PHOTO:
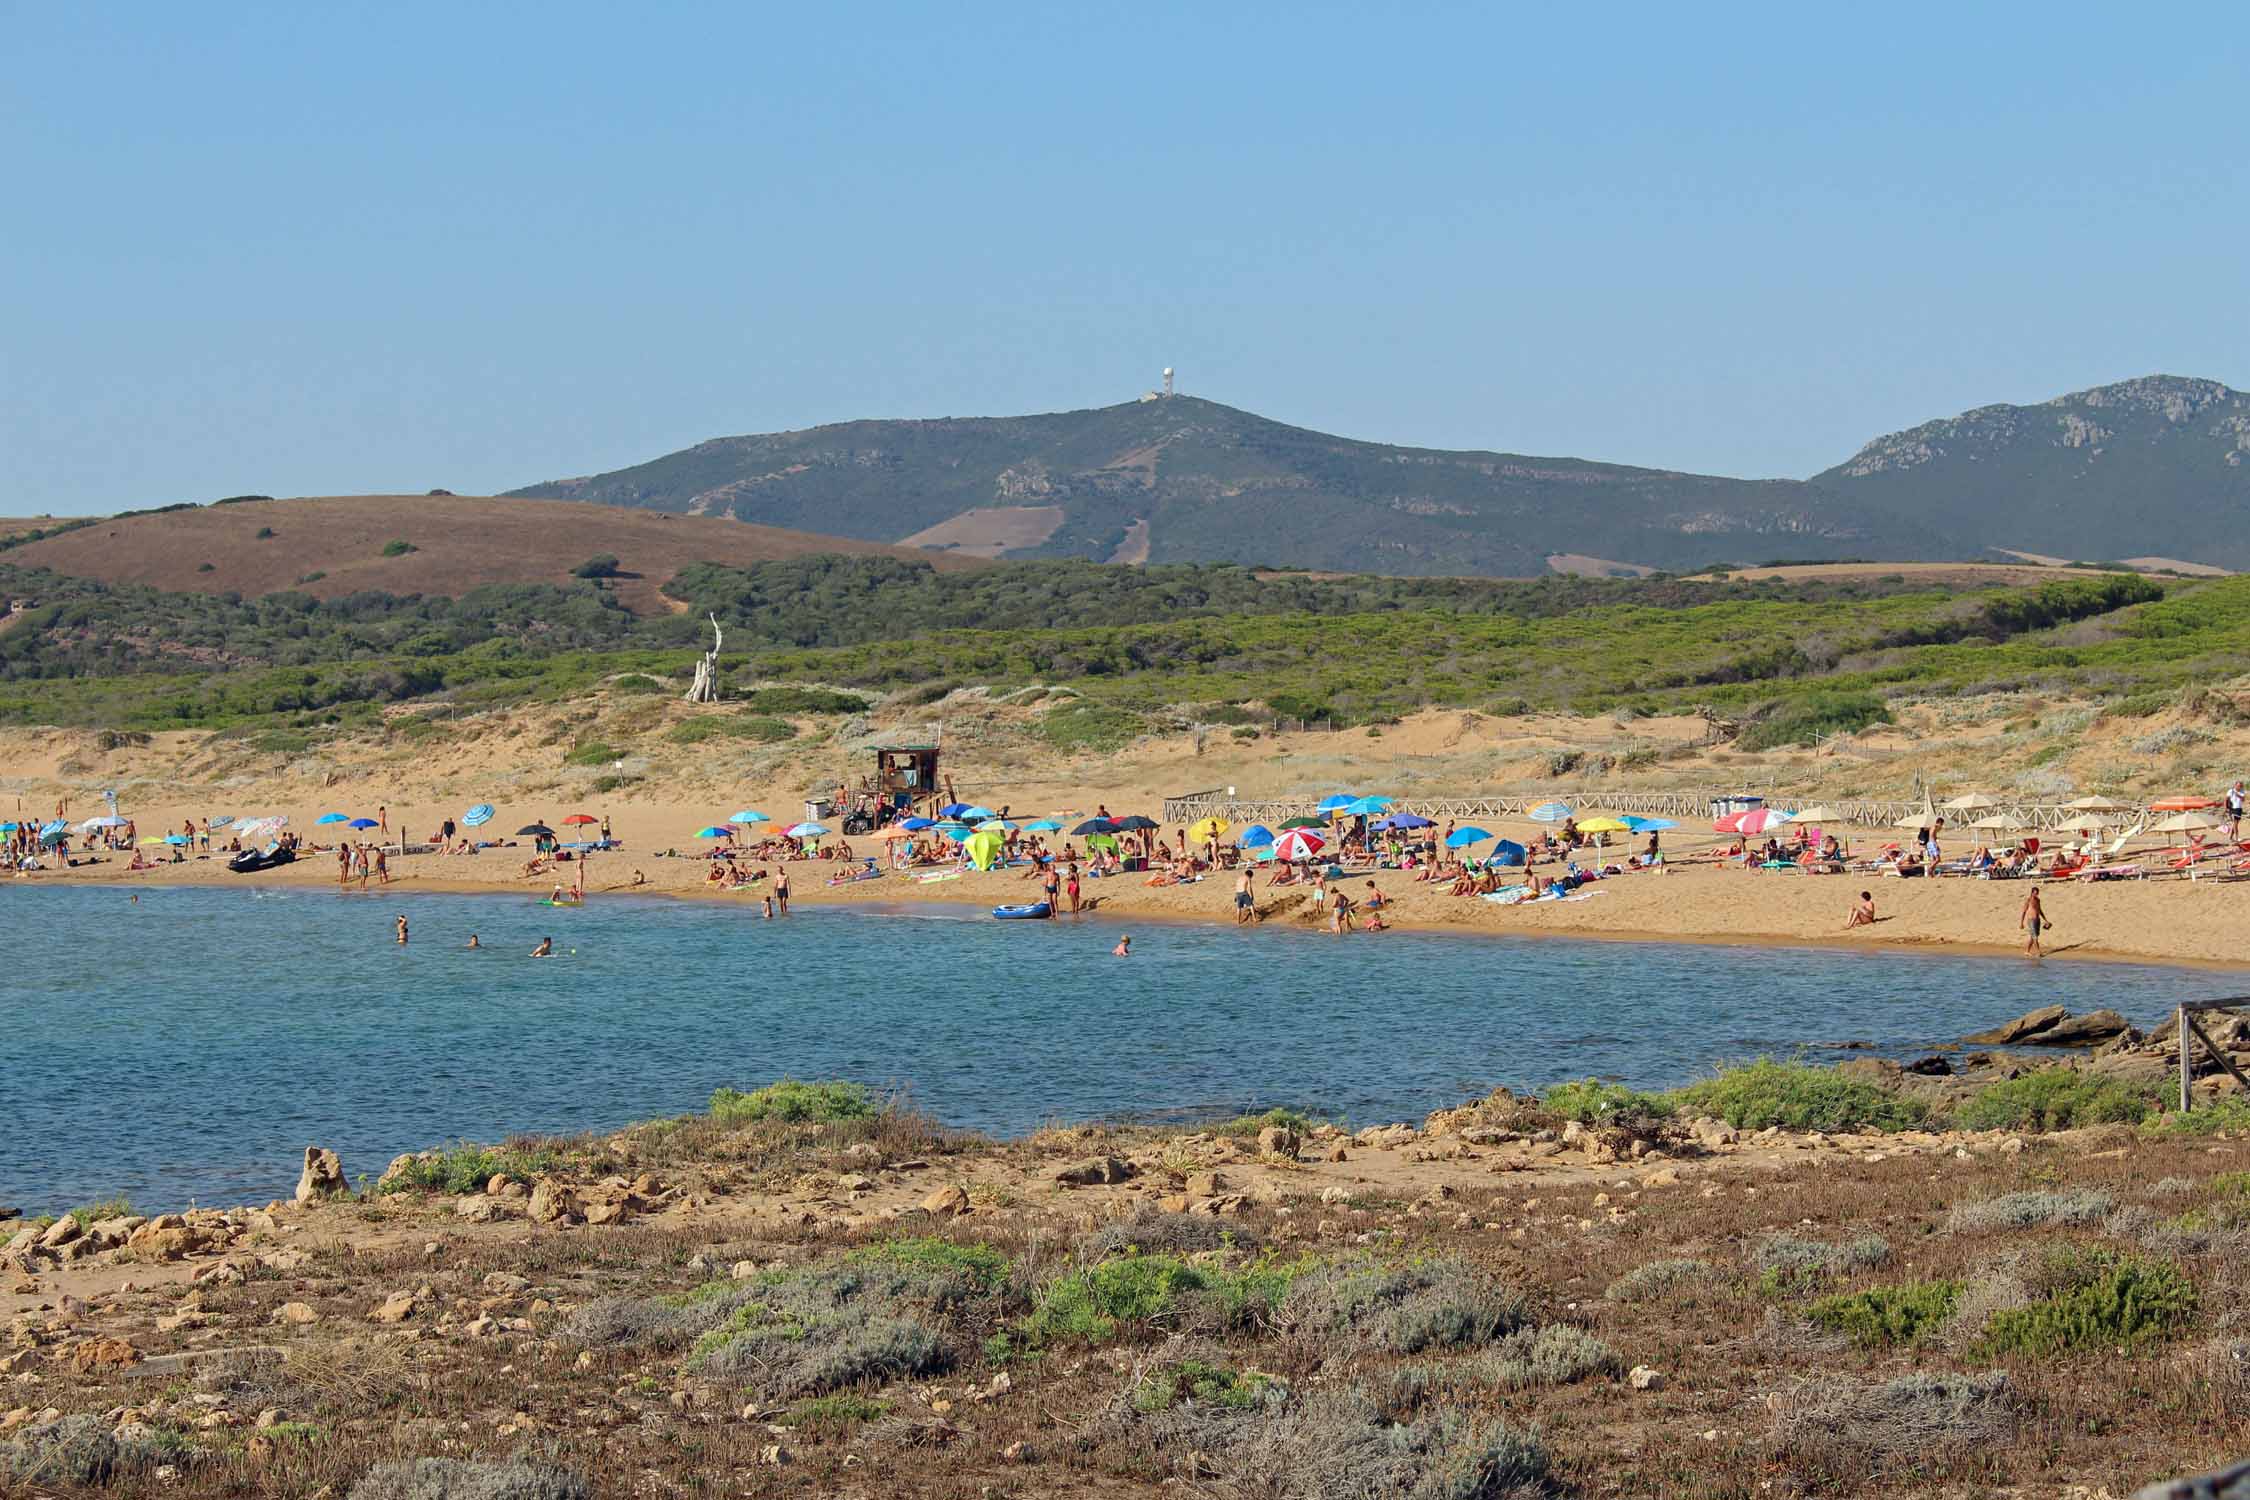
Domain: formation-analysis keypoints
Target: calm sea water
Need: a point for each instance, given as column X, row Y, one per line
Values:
column 189, row 1047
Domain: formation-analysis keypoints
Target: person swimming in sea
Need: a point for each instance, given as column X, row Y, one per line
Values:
column 402, row 929
column 1124, row 948
column 473, row 941
column 546, row 948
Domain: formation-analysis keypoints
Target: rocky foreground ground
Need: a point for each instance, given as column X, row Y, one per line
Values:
column 1500, row 1300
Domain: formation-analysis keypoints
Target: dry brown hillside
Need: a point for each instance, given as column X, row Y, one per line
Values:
column 460, row 542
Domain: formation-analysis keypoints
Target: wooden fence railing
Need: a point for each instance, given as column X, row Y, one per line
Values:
column 2191, row 1033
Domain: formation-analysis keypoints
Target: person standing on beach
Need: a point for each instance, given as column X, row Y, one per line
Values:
column 2033, row 917
column 1245, row 896
column 343, row 864
column 382, row 866
column 2234, row 813
column 781, row 889
column 1070, row 887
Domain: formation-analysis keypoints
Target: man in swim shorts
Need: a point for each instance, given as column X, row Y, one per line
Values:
column 1245, row 897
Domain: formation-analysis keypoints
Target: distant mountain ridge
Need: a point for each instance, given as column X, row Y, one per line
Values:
column 2150, row 466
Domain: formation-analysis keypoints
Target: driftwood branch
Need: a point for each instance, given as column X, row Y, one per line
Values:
column 705, row 688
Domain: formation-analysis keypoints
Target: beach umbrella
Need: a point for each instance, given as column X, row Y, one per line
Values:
column 957, row 832
column 477, row 816
column 714, row 832
column 997, row 825
column 1135, row 823
column 58, row 826
column 806, row 831
column 1336, row 803
column 1405, row 820
column 1095, row 825
column 953, row 809
column 1999, row 822
column 748, row 815
column 580, row 820
column 535, row 831
column 1922, row 819
column 224, row 820
column 1549, row 812
column 916, row 825
column 1972, row 802
column 1605, row 825
column 1042, row 825
column 1256, row 836
column 1647, row 825
column 1366, row 807
column 2189, row 803
column 326, row 818
column 53, row 836
column 895, row 831
column 112, row 820
column 975, row 814
column 1507, row 852
column 2097, row 804
column 1821, row 814
column 1298, row 843
column 1305, row 823
column 1462, row 838
column 175, row 838
column 982, row 848
column 1207, row 829
column 361, row 823
column 2196, row 821
column 9, row 827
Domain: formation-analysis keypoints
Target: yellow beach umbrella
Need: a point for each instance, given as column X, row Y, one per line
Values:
column 1207, row 830
column 1605, row 824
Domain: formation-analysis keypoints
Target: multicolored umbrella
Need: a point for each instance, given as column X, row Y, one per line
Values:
column 714, row 832
column 1550, row 812
column 1298, row 843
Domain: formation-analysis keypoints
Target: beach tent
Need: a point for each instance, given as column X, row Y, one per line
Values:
column 1256, row 836
column 1102, row 841
column 1549, row 812
column 1462, row 838
column 982, row 848
column 1507, row 852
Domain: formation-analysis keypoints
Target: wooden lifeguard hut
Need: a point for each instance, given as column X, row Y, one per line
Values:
column 905, row 774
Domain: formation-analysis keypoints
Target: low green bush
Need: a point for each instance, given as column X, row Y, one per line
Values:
column 794, row 1102
column 592, row 753
column 467, row 1168
column 1799, row 1097
column 790, row 699
column 399, row 549
column 2107, row 1301
column 1095, row 1304
column 636, row 682
column 1813, row 717
column 1592, row 1102
column 2229, row 1113
column 1193, row 1382
column 2054, row 1099
column 1887, row 1315
column 982, row 1267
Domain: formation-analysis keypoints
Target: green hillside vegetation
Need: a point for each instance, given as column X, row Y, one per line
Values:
column 1798, row 663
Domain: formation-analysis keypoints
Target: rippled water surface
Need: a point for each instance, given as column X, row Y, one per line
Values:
column 191, row 1046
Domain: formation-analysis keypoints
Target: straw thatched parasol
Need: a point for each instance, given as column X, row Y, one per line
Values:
column 1971, row 802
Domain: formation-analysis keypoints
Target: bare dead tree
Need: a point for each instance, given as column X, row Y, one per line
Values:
column 705, row 688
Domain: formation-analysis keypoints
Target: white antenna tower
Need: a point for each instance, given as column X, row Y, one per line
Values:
column 1167, row 380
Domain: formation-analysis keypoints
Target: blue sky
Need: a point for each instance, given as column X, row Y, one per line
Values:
column 318, row 249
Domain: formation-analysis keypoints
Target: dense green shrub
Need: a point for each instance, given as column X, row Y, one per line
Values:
column 1812, row 717
column 399, row 548
column 2054, row 1099
column 2108, row 1301
column 1886, row 1315
column 794, row 1102
column 1592, row 1102
column 601, row 565
column 1799, row 1097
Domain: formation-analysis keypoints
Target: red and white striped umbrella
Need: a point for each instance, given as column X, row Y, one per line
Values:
column 1298, row 843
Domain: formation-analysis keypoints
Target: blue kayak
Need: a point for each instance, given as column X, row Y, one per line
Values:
column 1018, row 913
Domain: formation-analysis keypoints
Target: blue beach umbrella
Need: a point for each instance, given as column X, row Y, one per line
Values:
column 715, row 832
column 1095, row 825
column 1335, row 803
column 477, row 816
column 1404, row 820
column 326, row 818
column 1042, row 825
column 958, row 832
column 1647, row 825
column 9, row 827
column 1549, row 812
column 953, row 809
column 1366, row 807
column 916, row 825
column 806, row 831
column 975, row 814
column 175, row 838
column 361, row 823
column 748, row 815
column 1256, row 836
column 58, row 826
column 1462, row 838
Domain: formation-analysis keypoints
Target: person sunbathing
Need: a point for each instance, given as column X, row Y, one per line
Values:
column 1863, row 914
